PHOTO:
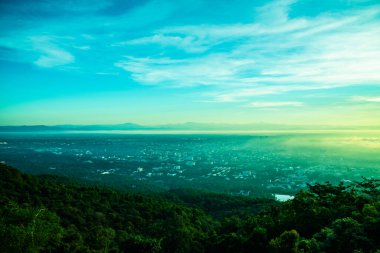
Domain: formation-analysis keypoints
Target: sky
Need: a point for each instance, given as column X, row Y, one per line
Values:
column 172, row 61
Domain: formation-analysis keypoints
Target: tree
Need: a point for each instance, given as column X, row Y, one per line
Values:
column 101, row 238
column 29, row 229
column 287, row 242
column 345, row 235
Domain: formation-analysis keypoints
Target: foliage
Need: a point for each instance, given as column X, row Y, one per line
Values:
column 43, row 214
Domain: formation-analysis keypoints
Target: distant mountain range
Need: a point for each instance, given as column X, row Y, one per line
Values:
column 189, row 126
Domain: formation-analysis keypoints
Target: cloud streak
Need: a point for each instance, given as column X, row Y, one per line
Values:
column 261, row 58
column 275, row 104
column 211, row 70
column 366, row 99
column 51, row 55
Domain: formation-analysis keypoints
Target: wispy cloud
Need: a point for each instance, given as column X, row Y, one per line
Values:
column 107, row 73
column 212, row 70
column 243, row 94
column 275, row 104
column 366, row 99
column 82, row 47
column 261, row 58
column 51, row 55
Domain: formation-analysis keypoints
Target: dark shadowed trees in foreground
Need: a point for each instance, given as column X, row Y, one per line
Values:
column 46, row 214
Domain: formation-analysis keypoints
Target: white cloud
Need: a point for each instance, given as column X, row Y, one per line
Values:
column 189, row 43
column 366, row 99
column 85, row 48
column 210, row 70
column 275, row 104
column 242, row 94
column 54, row 57
column 275, row 12
column 51, row 54
column 107, row 73
column 261, row 58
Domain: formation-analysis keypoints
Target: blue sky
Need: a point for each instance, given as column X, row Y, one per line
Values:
column 173, row 61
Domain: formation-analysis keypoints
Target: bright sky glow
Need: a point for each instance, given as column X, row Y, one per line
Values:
column 173, row 61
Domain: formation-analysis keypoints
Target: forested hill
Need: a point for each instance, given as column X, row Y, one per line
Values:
column 42, row 214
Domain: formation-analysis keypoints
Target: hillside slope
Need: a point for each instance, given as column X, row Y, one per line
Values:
column 41, row 214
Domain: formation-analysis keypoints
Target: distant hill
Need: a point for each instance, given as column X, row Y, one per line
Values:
column 35, row 128
column 188, row 126
column 41, row 128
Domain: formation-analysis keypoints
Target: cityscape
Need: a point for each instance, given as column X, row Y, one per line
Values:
column 248, row 165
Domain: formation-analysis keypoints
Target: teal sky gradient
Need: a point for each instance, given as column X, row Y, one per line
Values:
column 173, row 61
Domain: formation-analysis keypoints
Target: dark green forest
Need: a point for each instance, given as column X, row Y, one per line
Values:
column 53, row 214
